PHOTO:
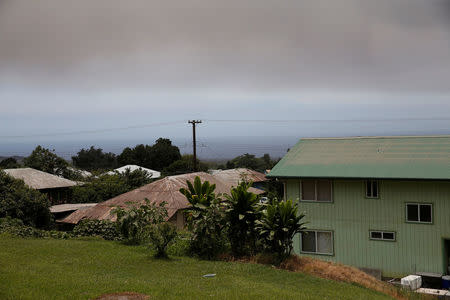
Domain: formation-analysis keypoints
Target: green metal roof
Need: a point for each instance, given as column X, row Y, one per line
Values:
column 406, row 157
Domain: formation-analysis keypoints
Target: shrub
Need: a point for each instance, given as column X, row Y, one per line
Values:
column 105, row 229
column 180, row 245
column 199, row 193
column 242, row 211
column 99, row 189
column 17, row 228
column 19, row 201
column 133, row 222
column 160, row 236
column 136, row 178
column 205, row 219
column 208, row 228
column 280, row 221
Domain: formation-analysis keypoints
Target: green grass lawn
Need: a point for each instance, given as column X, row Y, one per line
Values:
column 84, row 269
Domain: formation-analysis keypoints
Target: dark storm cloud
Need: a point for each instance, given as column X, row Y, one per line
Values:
column 401, row 46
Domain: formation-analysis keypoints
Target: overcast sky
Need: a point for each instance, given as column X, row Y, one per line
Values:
column 69, row 66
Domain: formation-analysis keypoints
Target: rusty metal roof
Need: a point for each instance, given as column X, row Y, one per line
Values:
column 70, row 207
column 166, row 189
column 39, row 180
column 404, row 157
column 235, row 176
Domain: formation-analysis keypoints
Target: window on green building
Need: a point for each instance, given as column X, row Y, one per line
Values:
column 317, row 190
column 419, row 212
column 372, row 189
column 382, row 235
column 317, row 242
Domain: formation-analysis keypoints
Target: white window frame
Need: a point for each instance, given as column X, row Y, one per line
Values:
column 315, row 236
column 315, row 191
column 382, row 235
column 371, row 181
column 418, row 215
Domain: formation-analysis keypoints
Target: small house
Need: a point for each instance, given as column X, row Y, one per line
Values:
column 56, row 188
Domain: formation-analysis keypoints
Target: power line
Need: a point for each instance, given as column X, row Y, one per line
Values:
column 329, row 120
column 93, row 131
column 103, row 130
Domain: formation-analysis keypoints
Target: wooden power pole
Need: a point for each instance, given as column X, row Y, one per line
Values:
column 194, row 144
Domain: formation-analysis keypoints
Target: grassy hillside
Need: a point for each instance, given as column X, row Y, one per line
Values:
column 83, row 269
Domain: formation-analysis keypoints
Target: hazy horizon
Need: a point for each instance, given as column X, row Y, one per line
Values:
column 107, row 71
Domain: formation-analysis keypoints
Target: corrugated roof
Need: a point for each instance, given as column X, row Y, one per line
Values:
column 405, row 157
column 39, row 180
column 70, row 207
column 235, row 176
column 166, row 189
column 153, row 173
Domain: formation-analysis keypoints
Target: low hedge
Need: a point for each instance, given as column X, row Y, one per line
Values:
column 17, row 228
column 105, row 229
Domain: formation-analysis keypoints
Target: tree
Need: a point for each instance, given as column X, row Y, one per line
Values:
column 160, row 236
column 45, row 160
column 279, row 223
column 136, row 178
column 250, row 161
column 184, row 165
column 242, row 211
column 206, row 219
column 164, row 153
column 156, row 157
column 19, row 201
column 9, row 163
column 99, row 189
column 199, row 193
column 94, row 159
column 134, row 221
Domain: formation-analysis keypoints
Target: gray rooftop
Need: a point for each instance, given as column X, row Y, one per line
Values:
column 39, row 180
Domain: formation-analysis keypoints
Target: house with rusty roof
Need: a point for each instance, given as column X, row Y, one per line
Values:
column 235, row 176
column 166, row 189
column 56, row 188
column 381, row 203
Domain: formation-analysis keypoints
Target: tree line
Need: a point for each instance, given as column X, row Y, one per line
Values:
column 162, row 156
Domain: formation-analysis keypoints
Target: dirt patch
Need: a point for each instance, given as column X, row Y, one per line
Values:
column 339, row 272
column 123, row 296
column 327, row 270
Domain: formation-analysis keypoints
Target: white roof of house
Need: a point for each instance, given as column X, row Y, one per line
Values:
column 155, row 174
column 39, row 180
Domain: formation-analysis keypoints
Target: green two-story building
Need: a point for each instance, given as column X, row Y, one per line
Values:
column 381, row 203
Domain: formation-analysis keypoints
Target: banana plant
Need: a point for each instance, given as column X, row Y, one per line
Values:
column 242, row 211
column 279, row 223
column 199, row 193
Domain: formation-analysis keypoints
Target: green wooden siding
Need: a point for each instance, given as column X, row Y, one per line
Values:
column 418, row 247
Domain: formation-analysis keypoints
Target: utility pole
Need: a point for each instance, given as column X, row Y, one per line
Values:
column 194, row 144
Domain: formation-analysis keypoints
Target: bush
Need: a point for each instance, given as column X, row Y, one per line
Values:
column 160, row 236
column 205, row 219
column 180, row 245
column 280, row 221
column 17, row 228
column 133, row 222
column 208, row 227
column 17, row 200
column 105, row 187
column 99, row 189
column 242, row 211
column 105, row 229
